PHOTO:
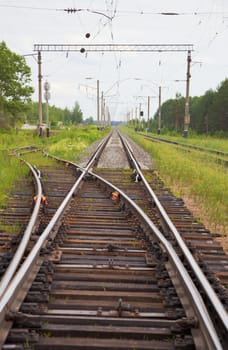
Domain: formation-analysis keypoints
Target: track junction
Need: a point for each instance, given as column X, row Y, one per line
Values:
column 97, row 272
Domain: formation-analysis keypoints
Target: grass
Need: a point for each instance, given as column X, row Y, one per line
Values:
column 71, row 144
column 11, row 169
column 66, row 144
column 210, row 142
column 192, row 174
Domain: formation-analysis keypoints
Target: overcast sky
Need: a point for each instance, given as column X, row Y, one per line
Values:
column 126, row 78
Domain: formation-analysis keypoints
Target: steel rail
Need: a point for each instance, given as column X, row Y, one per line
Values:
column 198, row 148
column 92, row 159
column 221, row 311
column 10, row 271
column 20, row 277
column 211, row 339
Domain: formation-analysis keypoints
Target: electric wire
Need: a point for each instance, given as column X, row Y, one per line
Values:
column 137, row 12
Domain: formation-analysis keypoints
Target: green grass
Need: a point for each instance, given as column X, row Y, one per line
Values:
column 199, row 140
column 66, row 144
column 194, row 175
column 70, row 144
column 11, row 169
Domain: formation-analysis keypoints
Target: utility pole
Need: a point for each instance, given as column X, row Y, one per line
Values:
column 98, row 104
column 140, row 116
column 40, row 117
column 148, row 113
column 102, row 110
column 187, row 115
column 136, row 118
column 159, row 112
column 47, row 97
column 109, row 117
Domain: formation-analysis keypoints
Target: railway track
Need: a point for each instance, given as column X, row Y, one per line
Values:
column 218, row 157
column 102, row 274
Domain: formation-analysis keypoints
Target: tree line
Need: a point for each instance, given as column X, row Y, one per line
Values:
column 209, row 113
column 56, row 116
column 16, row 106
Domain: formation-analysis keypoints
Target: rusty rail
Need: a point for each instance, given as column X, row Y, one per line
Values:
column 4, row 283
column 221, row 312
column 13, row 285
column 209, row 336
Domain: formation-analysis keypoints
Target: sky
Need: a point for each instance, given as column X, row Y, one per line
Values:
column 125, row 78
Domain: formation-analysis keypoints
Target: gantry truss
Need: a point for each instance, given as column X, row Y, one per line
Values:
column 116, row 48
column 113, row 47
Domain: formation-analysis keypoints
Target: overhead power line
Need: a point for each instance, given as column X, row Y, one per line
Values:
column 30, row 8
column 73, row 10
column 139, row 12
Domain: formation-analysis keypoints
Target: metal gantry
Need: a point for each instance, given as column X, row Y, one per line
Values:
column 114, row 47
column 83, row 48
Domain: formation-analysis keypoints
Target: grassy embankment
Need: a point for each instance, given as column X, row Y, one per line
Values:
column 193, row 176
column 66, row 144
column 209, row 142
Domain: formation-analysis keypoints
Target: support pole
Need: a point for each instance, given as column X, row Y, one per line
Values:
column 187, row 114
column 98, row 104
column 102, row 110
column 140, row 112
column 109, row 117
column 148, row 113
column 136, row 119
column 40, row 120
column 159, row 112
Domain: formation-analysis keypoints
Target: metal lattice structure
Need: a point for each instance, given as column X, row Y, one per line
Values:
column 113, row 47
column 117, row 48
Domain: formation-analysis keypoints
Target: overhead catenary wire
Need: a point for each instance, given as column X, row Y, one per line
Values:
column 137, row 12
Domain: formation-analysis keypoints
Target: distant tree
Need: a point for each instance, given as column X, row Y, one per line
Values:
column 15, row 91
column 89, row 120
column 66, row 116
column 218, row 114
column 56, row 114
column 172, row 113
column 76, row 114
column 208, row 113
column 200, row 110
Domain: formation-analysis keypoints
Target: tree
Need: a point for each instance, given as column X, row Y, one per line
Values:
column 200, row 110
column 76, row 115
column 66, row 116
column 15, row 90
column 89, row 120
column 209, row 113
column 218, row 115
column 172, row 112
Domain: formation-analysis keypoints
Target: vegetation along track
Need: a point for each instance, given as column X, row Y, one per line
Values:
column 104, row 281
column 218, row 157
column 16, row 213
